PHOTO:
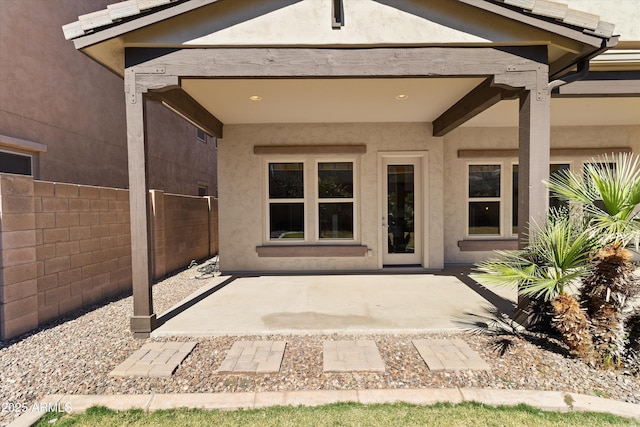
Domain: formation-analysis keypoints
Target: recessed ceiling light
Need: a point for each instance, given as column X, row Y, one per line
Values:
column 255, row 98
column 401, row 97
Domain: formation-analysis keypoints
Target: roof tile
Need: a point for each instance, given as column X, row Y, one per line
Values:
column 550, row 8
column 585, row 20
column 123, row 9
column 72, row 30
column 148, row 4
column 95, row 19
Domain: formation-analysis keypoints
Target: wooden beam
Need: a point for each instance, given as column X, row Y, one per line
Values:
column 603, row 84
column 343, row 63
column 475, row 102
column 143, row 320
column 181, row 103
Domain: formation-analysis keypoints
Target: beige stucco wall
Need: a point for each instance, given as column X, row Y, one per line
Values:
column 52, row 94
column 455, row 169
column 308, row 22
column 242, row 183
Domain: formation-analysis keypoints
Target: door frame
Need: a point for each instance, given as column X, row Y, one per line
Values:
column 421, row 223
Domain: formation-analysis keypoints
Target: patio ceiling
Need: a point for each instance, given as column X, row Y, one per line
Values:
column 328, row 100
column 376, row 100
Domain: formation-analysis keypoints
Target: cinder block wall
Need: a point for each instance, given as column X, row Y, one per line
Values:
column 67, row 246
column 182, row 227
column 83, row 246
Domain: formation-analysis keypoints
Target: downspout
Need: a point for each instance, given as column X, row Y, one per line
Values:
column 583, row 65
column 583, row 70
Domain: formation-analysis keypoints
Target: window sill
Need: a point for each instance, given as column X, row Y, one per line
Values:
column 487, row 245
column 311, row 251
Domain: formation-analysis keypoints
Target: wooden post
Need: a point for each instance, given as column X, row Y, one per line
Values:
column 534, row 158
column 143, row 320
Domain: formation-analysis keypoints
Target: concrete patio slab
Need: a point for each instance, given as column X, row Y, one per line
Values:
column 351, row 356
column 342, row 304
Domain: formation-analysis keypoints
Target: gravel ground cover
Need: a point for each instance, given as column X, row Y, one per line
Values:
column 76, row 356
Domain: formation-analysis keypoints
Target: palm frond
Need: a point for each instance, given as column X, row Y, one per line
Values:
column 570, row 186
column 558, row 254
column 608, row 194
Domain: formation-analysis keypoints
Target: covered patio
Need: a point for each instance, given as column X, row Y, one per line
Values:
column 448, row 301
column 463, row 58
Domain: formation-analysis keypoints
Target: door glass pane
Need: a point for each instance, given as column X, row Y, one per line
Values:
column 336, row 220
column 335, row 180
column 400, row 191
column 286, row 220
column 286, row 181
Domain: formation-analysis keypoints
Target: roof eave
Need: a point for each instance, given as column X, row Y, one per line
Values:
column 120, row 28
column 559, row 28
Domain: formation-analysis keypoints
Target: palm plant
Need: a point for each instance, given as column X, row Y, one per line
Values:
column 607, row 196
column 550, row 268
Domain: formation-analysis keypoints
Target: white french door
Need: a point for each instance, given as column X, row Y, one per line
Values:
column 402, row 216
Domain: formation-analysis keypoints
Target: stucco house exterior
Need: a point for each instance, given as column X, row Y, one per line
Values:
column 62, row 116
column 373, row 134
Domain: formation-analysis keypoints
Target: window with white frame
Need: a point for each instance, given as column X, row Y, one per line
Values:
column 311, row 200
column 16, row 163
column 286, row 201
column 484, row 200
column 335, row 200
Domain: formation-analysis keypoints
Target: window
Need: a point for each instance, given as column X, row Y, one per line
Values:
column 286, row 200
column 311, row 200
column 201, row 135
column 203, row 190
column 20, row 164
column 554, row 201
column 335, row 200
column 484, row 200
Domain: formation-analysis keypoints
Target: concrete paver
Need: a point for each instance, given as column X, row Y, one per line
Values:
column 351, row 355
column 154, row 359
column 449, row 354
column 256, row 357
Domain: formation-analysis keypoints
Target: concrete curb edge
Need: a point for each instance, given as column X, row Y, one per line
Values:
column 546, row 400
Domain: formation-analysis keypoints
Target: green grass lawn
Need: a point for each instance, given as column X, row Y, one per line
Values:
column 342, row 414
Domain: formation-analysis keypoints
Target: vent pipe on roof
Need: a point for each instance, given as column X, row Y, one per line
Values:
column 583, row 70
